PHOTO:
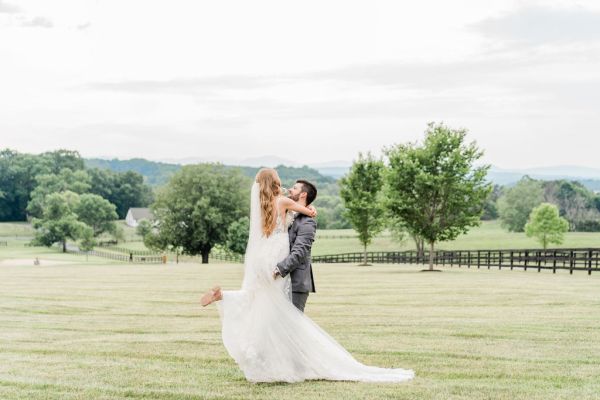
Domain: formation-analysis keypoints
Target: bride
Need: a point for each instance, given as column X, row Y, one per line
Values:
column 267, row 336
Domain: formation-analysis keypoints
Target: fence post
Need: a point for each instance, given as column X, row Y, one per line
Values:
column 488, row 259
column 499, row 259
column 571, row 262
column 478, row 259
column 526, row 259
column 554, row 262
column 589, row 262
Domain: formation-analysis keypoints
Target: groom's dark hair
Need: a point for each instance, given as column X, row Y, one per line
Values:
column 309, row 189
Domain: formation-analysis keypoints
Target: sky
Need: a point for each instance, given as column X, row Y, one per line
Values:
column 311, row 82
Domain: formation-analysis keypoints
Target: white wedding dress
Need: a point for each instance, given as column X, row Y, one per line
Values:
column 268, row 337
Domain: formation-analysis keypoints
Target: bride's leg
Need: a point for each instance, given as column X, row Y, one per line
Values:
column 211, row 296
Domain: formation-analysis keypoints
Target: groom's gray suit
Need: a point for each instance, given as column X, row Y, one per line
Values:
column 298, row 263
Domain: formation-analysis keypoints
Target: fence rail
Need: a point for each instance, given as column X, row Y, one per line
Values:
column 581, row 259
column 145, row 256
column 154, row 259
column 127, row 251
column 226, row 257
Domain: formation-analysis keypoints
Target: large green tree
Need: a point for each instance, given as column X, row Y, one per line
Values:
column 96, row 212
column 67, row 180
column 17, row 181
column 237, row 235
column 517, row 203
column 58, row 160
column 59, row 222
column 194, row 211
column 546, row 225
column 361, row 191
column 435, row 188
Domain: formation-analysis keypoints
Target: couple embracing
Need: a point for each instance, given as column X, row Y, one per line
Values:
column 264, row 328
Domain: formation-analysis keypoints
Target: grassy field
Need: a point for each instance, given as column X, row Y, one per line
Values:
column 101, row 331
column 490, row 235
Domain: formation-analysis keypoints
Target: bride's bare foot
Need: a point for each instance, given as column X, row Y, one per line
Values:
column 211, row 296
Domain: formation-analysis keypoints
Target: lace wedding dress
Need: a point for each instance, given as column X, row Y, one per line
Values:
column 268, row 337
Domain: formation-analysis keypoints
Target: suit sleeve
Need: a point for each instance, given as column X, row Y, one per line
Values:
column 300, row 249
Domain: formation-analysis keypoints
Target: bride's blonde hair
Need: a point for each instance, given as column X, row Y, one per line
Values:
column 269, row 188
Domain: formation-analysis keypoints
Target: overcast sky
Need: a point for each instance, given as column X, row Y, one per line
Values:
column 310, row 81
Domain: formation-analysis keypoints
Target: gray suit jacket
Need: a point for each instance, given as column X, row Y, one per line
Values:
column 298, row 262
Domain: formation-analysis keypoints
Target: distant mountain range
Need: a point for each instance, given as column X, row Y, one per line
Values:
column 590, row 177
column 157, row 173
column 156, row 170
column 335, row 169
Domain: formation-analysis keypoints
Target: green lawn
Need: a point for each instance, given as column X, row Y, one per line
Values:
column 100, row 331
column 16, row 229
column 490, row 235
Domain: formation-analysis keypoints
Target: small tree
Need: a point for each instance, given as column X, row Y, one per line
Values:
column 59, row 222
column 435, row 189
column 144, row 227
column 546, row 225
column 361, row 191
column 118, row 234
column 88, row 241
column 194, row 211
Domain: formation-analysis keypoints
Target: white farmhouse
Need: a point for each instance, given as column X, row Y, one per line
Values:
column 135, row 215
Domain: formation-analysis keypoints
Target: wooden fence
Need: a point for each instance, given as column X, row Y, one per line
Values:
column 582, row 259
column 226, row 257
column 127, row 251
column 147, row 256
column 153, row 259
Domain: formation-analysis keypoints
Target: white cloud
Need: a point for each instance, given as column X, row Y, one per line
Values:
column 7, row 8
column 37, row 22
column 543, row 25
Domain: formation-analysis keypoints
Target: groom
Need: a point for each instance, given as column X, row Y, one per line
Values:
column 302, row 234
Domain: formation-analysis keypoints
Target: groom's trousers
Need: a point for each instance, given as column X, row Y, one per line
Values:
column 299, row 300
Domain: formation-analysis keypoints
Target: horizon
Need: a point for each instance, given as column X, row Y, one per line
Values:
column 318, row 165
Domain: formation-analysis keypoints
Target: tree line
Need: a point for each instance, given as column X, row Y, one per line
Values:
column 65, row 200
column 579, row 206
column 329, row 203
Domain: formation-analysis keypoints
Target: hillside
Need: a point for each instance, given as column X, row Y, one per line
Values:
column 154, row 173
column 158, row 173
